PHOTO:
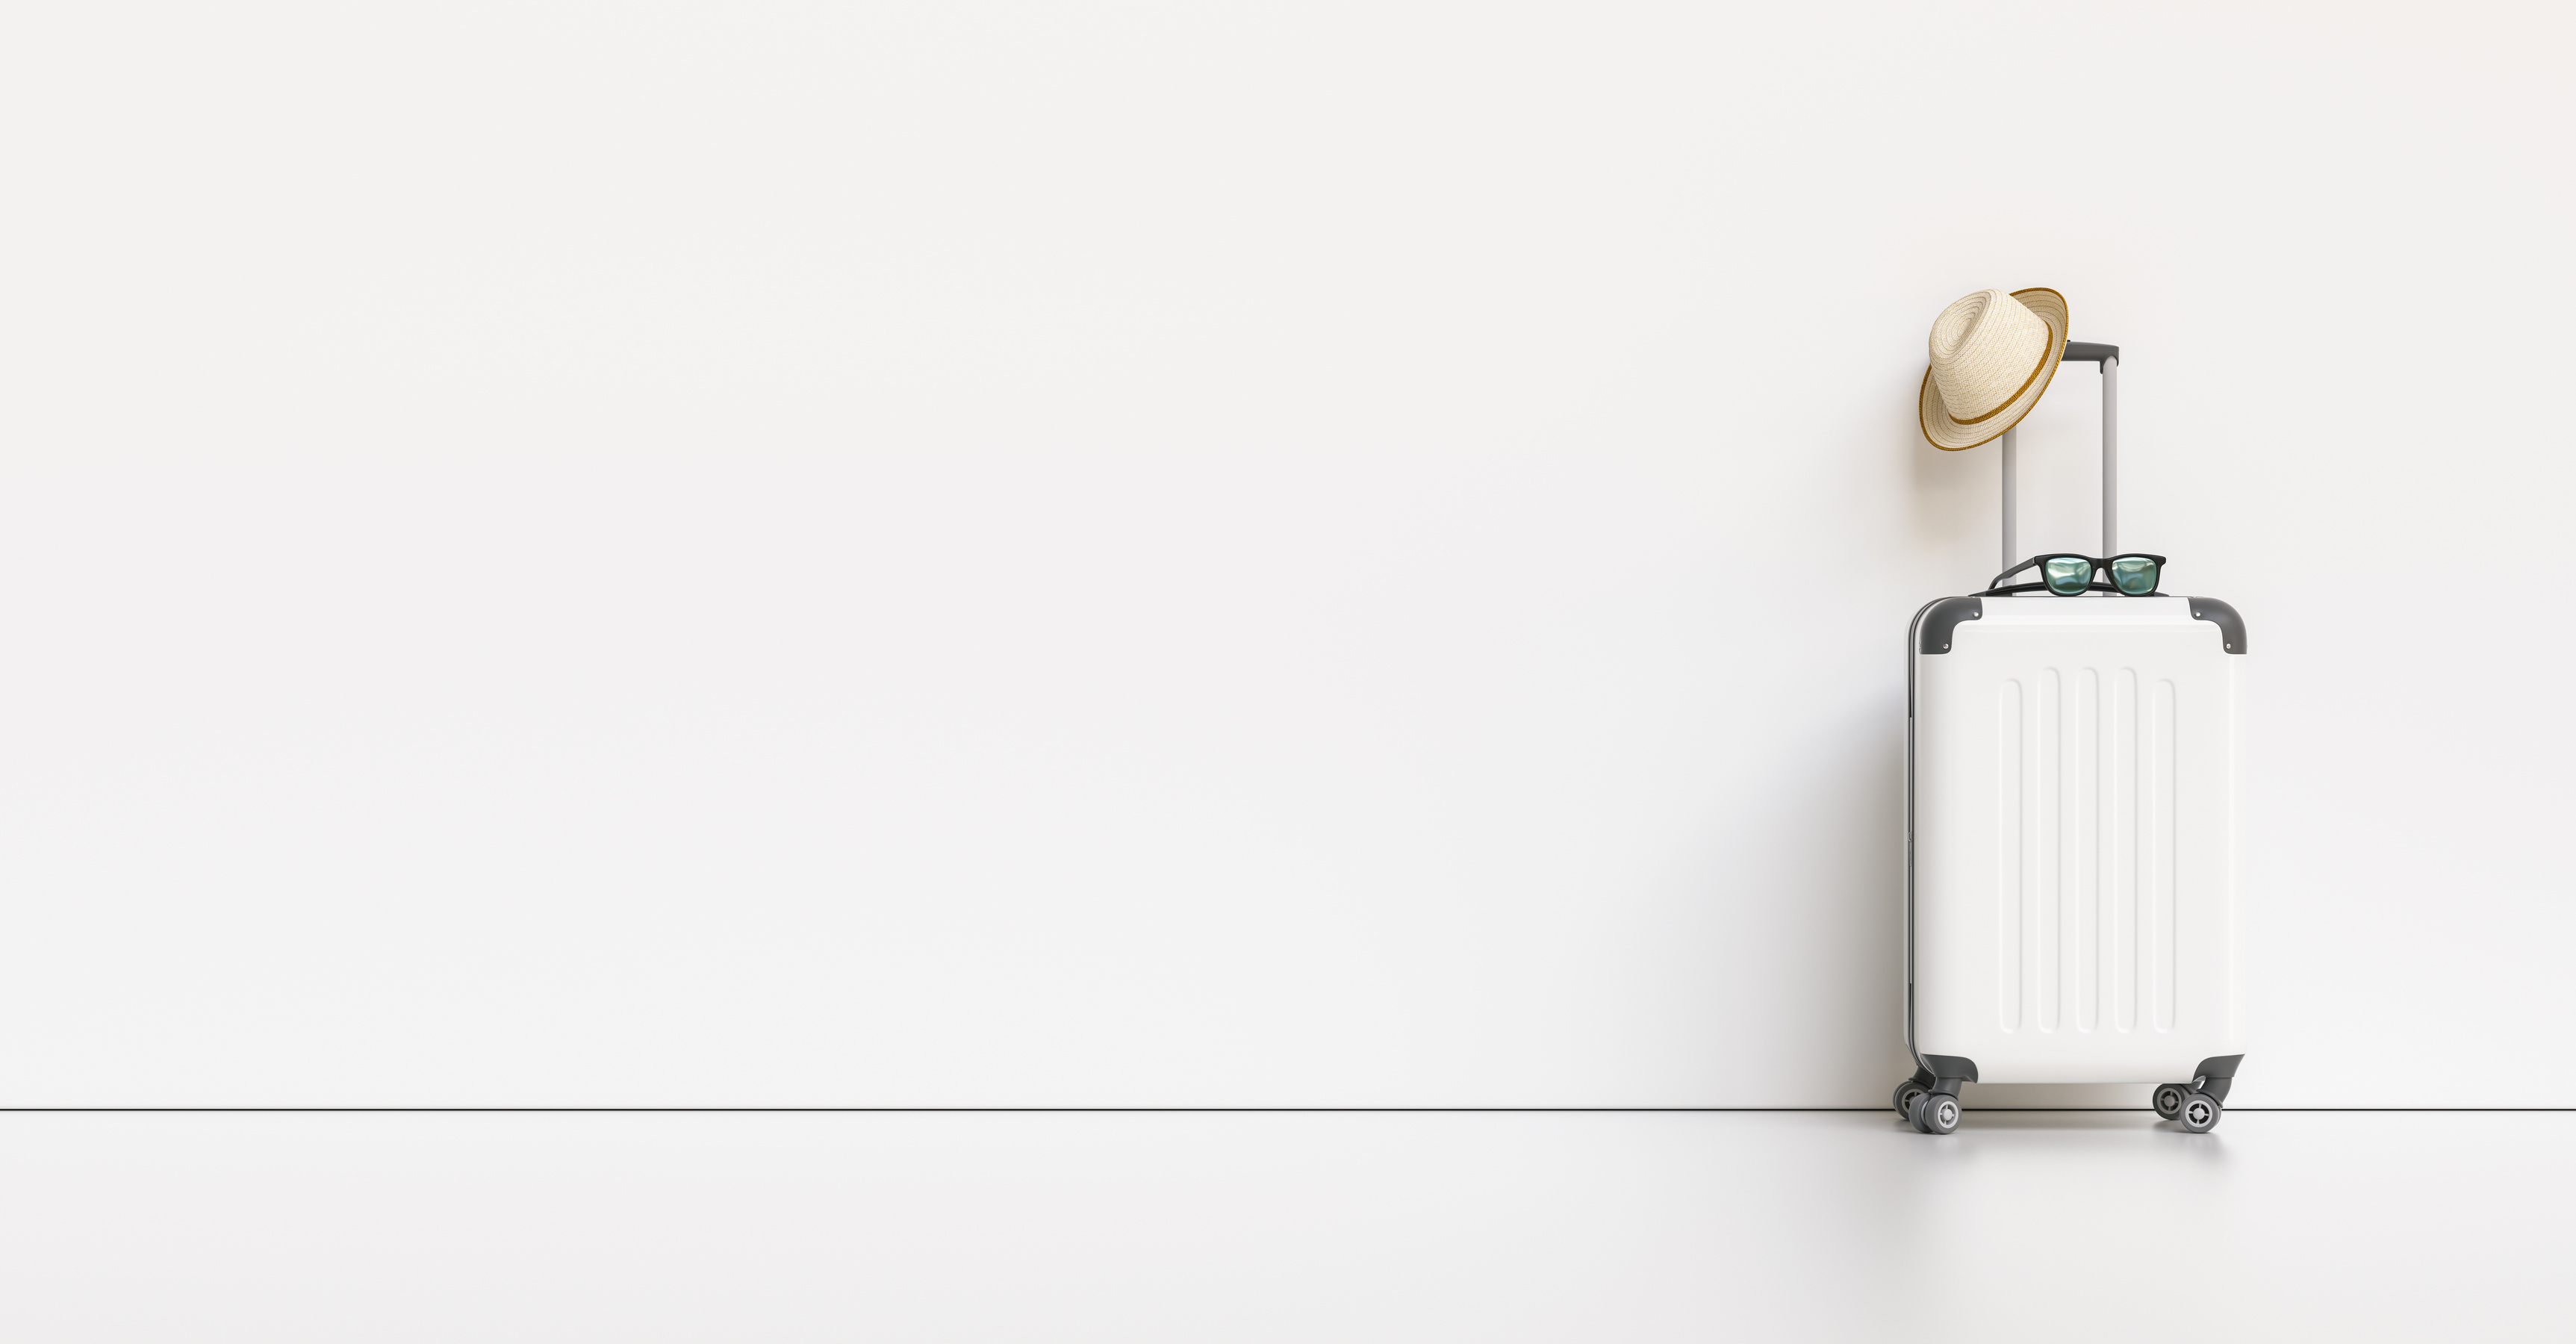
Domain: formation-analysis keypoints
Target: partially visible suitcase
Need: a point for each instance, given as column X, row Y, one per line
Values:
column 2074, row 906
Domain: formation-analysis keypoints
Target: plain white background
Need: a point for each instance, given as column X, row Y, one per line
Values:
column 1225, row 555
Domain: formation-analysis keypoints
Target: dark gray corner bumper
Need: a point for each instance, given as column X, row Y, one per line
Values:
column 2217, row 1074
column 1935, row 623
column 2231, row 627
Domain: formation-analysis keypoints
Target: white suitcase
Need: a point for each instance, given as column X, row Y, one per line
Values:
column 2074, row 906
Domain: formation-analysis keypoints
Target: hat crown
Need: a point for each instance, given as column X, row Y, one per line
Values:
column 1986, row 348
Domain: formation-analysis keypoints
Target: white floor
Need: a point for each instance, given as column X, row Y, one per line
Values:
column 1778, row 1226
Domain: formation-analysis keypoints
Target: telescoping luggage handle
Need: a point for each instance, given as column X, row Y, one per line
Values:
column 2080, row 352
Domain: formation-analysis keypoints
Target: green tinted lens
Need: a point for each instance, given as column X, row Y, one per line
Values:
column 2134, row 574
column 2066, row 574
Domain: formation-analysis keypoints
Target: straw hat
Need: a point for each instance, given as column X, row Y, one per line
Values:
column 1993, row 354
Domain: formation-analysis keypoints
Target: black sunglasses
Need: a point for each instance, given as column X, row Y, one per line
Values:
column 2070, row 574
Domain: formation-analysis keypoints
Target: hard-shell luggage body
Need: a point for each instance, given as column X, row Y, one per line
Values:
column 2074, row 902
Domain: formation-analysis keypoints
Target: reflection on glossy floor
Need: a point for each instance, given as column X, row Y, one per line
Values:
column 2032, row 1225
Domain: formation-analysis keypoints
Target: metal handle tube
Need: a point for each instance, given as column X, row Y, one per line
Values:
column 2010, row 474
column 2111, row 455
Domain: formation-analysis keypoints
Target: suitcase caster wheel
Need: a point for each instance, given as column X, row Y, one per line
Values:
column 1935, row 1113
column 1906, row 1092
column 2169, row 1100
column 2199, row 1114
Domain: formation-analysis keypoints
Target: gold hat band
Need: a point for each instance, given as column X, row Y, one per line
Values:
column 2046, row 350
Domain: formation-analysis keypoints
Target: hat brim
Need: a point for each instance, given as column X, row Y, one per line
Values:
column 1949, row 435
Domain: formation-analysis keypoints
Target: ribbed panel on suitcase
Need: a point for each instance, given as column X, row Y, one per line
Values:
column 2084, row 840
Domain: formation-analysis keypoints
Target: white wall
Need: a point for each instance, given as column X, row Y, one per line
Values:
column 1303, row 554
